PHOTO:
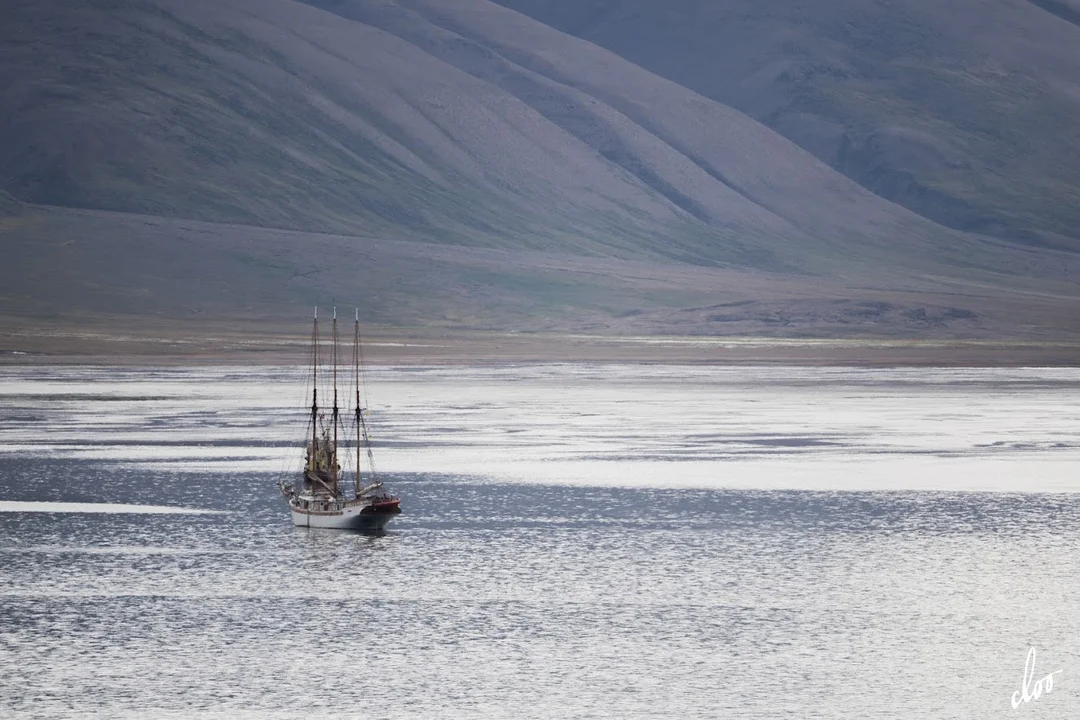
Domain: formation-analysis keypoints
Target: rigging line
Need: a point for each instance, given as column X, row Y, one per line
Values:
column 336, row 418
column 287, row 461
column 361, row 377
column 290, row 464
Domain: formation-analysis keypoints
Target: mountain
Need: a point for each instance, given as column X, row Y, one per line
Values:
column 80, row 269
column 453, row 164
column 963, row 112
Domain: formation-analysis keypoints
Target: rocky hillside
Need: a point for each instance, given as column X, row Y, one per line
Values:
column 963, row 112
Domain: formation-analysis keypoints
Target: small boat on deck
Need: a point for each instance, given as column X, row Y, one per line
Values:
column 326, row 496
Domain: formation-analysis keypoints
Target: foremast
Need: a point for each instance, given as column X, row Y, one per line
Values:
column 322, row 472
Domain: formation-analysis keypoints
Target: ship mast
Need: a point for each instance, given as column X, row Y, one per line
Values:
column 314, row 391
column 356, row 380
column 361, row 424
column 333, row 461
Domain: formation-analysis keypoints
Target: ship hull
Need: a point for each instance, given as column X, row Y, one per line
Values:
column 349, row 518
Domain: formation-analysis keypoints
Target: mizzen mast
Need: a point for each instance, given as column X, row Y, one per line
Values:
column 361, row 424
column 356, row 380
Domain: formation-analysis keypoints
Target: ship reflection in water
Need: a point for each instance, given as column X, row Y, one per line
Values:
column 579, row 541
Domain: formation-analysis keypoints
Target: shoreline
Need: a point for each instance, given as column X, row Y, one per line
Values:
column 102, row 347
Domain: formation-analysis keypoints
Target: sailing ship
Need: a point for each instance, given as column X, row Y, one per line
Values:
column 324, row 496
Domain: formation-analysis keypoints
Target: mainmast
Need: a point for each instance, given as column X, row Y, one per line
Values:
column 314, row 391
column 333, row 461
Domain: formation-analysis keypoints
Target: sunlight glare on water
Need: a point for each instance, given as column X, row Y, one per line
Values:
column 576, row 541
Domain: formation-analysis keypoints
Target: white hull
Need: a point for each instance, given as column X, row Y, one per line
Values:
column 318, row 500
column 347, row 518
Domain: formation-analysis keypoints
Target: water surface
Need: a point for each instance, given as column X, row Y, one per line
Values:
column 578, row 541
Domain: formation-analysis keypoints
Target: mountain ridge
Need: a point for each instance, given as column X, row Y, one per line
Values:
column 960, row 112
column 355, row 127
column 253, row 143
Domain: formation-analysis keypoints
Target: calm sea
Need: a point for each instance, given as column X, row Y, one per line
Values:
column 577, row 541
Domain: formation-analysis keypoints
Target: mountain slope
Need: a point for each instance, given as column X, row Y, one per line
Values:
column 406, row 152
column 963, row 111
column 9, row 206
column 81, row 268
column 461, row 123
column 273, row 113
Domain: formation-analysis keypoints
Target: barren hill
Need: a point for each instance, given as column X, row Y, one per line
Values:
column 962, row 111
column 449, row 163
